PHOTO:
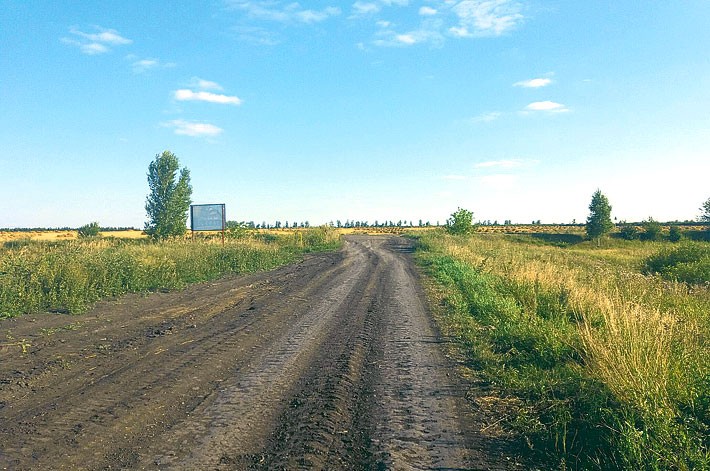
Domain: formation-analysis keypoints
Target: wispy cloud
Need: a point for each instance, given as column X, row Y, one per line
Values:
column 462, row 19
column 193, row 128
column 533, row 83
column 430, row 23
column 203, row 84
column 425, row 34
column 257, row 35
column 364, row 9
column 486, row 17
column 98, row 42
column 185, row 94
column 144, row 65
column 486, row 117
column 549, row 106
column 283, row 12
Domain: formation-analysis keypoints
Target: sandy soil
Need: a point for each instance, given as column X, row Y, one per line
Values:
column 331, row 363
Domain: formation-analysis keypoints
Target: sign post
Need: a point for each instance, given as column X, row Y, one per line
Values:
column 208, row 217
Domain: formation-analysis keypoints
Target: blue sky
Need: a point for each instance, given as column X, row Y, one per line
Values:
column 365, row 110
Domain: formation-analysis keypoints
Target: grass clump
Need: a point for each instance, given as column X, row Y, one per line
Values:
column 609, row 367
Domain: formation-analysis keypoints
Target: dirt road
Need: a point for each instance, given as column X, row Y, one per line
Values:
column 331, row 363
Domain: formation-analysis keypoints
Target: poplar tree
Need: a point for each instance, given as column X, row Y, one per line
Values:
column 599, row 220
column 169, row 200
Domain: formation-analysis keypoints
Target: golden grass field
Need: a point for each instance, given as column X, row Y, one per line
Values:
column 64, row 235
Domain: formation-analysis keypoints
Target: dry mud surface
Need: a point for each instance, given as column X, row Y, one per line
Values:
column 331, row 363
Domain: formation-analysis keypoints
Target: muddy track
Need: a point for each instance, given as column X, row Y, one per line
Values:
column 331, row 363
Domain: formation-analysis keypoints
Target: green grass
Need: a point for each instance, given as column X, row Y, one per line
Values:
column 608, row 367
column 689, row 262
column 69, row 276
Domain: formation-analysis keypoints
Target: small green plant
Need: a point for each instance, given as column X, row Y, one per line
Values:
column 89, row 230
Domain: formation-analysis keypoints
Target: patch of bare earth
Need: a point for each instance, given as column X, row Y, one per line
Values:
column 331, row 363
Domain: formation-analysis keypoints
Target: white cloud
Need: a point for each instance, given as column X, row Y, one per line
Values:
column 95, row 43
column 93, row 48
column 144, row 64
column 486, row 17
column 188, row 95
column 193, row 128
column 389, row 38
column 202, row 84
column 106, row 36
column 533, row 83
column 365, row 8
column 547, row 106
column 427, row 11
column 279, row 12
column 406, row 39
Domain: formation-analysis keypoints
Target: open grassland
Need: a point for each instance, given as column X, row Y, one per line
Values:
column 606, row 367
column 69, row 275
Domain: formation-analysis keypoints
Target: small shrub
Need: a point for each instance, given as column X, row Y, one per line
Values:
column 674, row 235
column 651, row 230
column 89, row 230
column 460, row 222
column 688, row 262
column 629, row 232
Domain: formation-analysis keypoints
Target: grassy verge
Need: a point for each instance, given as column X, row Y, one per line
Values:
column 608, row 367
column 68, row 276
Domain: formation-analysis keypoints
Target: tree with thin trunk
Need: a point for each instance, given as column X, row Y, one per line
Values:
column 599, row 220
column 169, row 199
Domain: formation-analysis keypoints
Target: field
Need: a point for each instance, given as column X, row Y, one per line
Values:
column 327, row 363
column 548, row 351
column 601, row 366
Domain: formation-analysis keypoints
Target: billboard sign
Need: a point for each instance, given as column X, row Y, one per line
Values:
column 207, row 217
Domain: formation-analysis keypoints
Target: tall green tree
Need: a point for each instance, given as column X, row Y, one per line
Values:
column 169, row 200
column 599, row 219
column 705, row 211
